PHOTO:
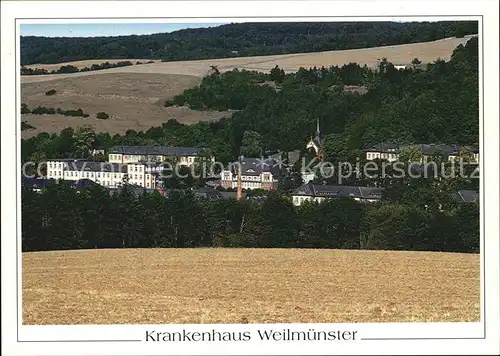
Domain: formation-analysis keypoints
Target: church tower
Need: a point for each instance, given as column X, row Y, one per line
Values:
column 317, row 143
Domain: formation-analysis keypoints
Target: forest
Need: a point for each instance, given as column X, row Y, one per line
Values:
column 61, row 217
column 240, row 40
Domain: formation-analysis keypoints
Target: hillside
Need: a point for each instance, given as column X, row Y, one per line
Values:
column 133, row 95
column 400, row 54
column 237, row 40
column 164, row 286
column 133, row 101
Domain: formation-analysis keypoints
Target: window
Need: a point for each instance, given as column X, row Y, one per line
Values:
column 135, row 168
column 135, row 176
column 87, row 175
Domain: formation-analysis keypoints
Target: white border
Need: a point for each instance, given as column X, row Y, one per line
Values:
column 488, row 9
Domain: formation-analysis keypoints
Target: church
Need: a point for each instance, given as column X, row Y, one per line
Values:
column 316, row 143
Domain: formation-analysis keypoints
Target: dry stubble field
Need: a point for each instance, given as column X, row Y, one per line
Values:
column 133, row 95
column 133, row 101
column 248, row 286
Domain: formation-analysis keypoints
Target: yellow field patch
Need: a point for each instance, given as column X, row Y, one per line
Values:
column 164, row 286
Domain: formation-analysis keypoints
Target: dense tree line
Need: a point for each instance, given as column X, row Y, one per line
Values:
column 68, row 68
column 42, row 110
column 245, row 39
column 61, row 217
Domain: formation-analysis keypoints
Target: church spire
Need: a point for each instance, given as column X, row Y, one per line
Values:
column 318, row 133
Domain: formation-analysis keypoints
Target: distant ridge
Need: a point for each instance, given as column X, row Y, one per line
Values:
column 240, row 40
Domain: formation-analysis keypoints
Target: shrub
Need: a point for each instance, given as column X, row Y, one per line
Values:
column 26, row 126
column 68, row 69
column 24, row 109
column 78, row 112
column 41, row 110
column 31, row 71
column 102, row 115
column 50, row 92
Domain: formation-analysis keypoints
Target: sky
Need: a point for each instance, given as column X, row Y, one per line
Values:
column 108, row 29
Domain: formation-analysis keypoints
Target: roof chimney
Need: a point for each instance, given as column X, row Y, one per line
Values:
column 238, row 192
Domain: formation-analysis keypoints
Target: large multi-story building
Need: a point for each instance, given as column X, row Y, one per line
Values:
column 107, row 174
column 132, row 154
column 391, row 151
column 318, row 193
column 256, row 173
column 134, row 165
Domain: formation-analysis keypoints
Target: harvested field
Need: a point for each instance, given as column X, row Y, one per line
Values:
column 248, row 286
column 400, row 54
column 133, row 101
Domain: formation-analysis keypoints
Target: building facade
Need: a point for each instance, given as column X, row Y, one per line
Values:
column 390, row 152
column 185, row 156
column 107, row 174
column 256, row 173
column 318, row 193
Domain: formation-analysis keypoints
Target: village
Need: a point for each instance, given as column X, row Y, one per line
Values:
column 142, row 168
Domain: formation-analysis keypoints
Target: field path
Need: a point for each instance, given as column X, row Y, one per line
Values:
column 248, row 285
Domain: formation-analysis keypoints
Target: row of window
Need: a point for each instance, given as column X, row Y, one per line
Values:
column 381, row 155
column 250, row 178
column 137, row 168
column 250, row 185
column 266, row 177
column 91, row 174
column 54, row 173
column 54, row 165
column 154, row 158
column 305, row 198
